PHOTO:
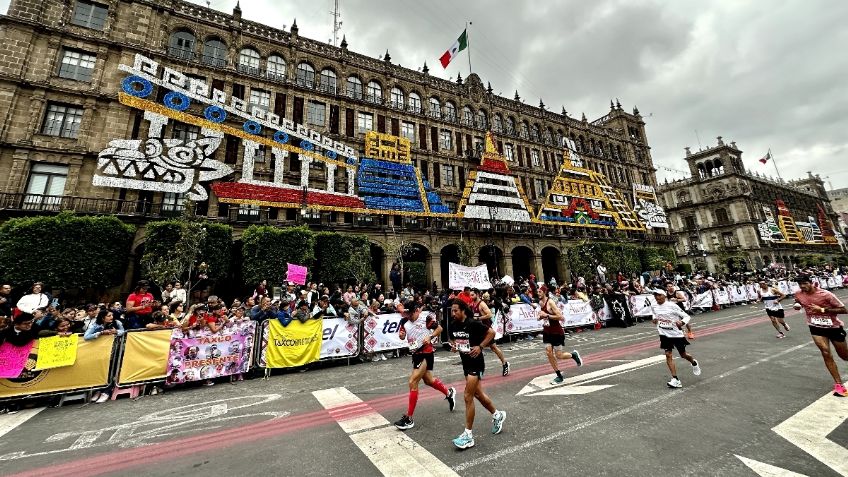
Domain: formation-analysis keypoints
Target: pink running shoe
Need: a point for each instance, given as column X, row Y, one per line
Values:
column 839, row 390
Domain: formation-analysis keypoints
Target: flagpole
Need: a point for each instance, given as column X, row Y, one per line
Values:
column 775, row 164
column 468, row 45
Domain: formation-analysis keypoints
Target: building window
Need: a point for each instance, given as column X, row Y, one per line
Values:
column 354, row 87
column 375, row 92
column 365, row 122
column 62, row 120
column 445, row 141
column 539, row 186
column 46, row 185
column 534, row 157
column 525, row 130
column 173, row 202
column 90, row 15
column 691, row 223
column 261, row 153
column 447, row 176
column 76, row 65
column 185, row 132
column 450, row 111
column 510, row 126
column 414, row 103
column 534, row 132
column 497, row 123
column 721, row 216
column 328, row 81
column 181, row 45
column 482, row 120
column 276, row 68
column 467, row 116
column 248, row 212
column 316, row 114
column 249, row 61
column 435, row 108
column 728, row 239
column 260, row 99
column 305, row 75
column 397, row 98
column 215, row 53
column 509, row 152
column 407, row 130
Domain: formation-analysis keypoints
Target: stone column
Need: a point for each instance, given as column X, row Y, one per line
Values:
column 538, row 270
column 435, row 272
column 331, row 177
column 280, row 157
column 507, row 265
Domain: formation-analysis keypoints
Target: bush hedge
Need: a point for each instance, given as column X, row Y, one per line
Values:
column 266, row 250
column 341, row 258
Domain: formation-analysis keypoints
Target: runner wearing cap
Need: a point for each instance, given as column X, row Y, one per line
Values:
column 418, row 331
column 670, row 320
column 771, row 297
column 821, row 307
column 484, row 315
column 553, row 336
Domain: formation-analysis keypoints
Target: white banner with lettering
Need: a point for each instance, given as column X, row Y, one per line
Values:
column 523, row 318
column 737, row 294
column 640, row 305
column 722, row 297
column 339, row 338
column 460, row 276
column 577, row 313
column 751, row 291
column 381, row 333
column 704, row 300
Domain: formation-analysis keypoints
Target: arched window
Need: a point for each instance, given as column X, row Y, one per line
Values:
column 276, row 68
column 618, row 152
column 450, row 111
column 525, row 130
column 560, row 139
column 328, row 81
column 702, row 172
column 600, row 150
column 397, row 98
column 215, row 53
column 721, row 216
column 467, row 116
column 718, row 167
column 248, row 61
column 374, row 92
column 482, row 119
column 497, row 123
column 435, row 108
column 414, row 102
column 683, row 197
column 534, row 132
column 354, row 87
column 181, row 44
column 510, row 125
column 305, row 75
column 548, row 136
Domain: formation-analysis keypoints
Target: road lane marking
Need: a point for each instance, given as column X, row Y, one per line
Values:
column 541, row 385
column 767, row 470
column 8, row 422
column 391, row 451
column 809, row 428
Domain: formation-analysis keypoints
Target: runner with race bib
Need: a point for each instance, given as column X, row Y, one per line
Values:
column 670, row 320
column 771, row 297
column 821, row 307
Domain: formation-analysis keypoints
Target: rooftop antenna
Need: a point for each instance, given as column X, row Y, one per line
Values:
column 337, row 25
column 699, row 140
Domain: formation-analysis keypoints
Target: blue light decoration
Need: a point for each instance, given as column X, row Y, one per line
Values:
column 307, row 146
column 137, row 86
column 331, row 155
column 177, row 101
column 385, row 185
column 216, row 114
column 252, row 127
column 434, row 200
column 281, row 137
column 352, row 161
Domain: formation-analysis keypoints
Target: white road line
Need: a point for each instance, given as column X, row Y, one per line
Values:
column 809, row 429
column 8, row 422
column 542, row 383
column 767, row 470
column 614, row 414
column 391, row 451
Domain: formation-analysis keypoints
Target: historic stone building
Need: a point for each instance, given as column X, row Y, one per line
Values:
column 61, row 87
column 725, row 217
column 839, row 201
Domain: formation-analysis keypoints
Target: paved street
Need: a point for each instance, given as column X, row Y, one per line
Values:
column 624, row 421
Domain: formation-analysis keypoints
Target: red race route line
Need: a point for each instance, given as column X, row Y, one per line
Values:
column 123, row 459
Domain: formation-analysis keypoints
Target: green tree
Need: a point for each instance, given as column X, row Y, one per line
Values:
column 416, row 273
column 340, row 258
column 65, row 251
column 266, row 250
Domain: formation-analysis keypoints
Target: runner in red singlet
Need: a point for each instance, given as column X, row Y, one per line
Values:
column 553, row 335
column 484, row 315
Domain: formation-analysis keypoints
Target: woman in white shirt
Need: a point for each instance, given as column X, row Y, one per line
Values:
column 178, row 294
column 35, row 299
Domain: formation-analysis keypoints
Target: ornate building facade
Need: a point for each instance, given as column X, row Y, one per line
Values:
column 727, row 218
column 129, row 107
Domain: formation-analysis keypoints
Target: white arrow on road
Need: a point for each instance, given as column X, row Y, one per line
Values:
column 767, row 470
column 541, row 386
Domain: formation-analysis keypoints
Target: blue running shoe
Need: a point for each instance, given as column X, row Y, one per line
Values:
column 576, row 357
column 497, row 421
column 464, row 441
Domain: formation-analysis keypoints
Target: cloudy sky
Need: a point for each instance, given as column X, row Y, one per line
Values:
column 765, row 74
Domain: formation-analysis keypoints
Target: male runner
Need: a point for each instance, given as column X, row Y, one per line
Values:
column 678, row 296
column 670, row 320
column 468, row 337
column 821, row 307
column 553, row 336
column 484, row 315
column 771, row 297
column 421, row 332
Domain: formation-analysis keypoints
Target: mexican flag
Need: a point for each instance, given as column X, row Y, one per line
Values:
column 460, row 44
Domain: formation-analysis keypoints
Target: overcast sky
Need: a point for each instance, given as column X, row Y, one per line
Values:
column 765, row 74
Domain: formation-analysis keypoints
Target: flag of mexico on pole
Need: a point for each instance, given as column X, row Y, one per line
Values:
column 460, row 44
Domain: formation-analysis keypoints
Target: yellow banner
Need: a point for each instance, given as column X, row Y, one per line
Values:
column 293, row 345
column 57, row 351
column 145, row 356
column 91, row 370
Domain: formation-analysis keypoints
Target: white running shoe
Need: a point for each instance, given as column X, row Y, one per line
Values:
column 696, row 369
column 674, row 383
column 103, row 398
column 497, row 421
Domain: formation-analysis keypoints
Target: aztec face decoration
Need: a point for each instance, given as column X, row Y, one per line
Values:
column 647, row 207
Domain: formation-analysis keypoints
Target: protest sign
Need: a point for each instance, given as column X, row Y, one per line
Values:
column 296, row 274
column 57, row 351
column 460, row 276
column 202, row 355
column 13, row 358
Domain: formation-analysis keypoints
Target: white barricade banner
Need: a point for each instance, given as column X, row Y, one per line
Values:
column 339, row 339
column 751, row 292
column 381, row 333
column 722, row 297
column 604, row 313
column 794, row 287
column 523, row 318
column 783, row 286
column 640, row 305
column 460, row 276
column 822, row 283
column 703, row 300
column 840, row 281
column 577, row 313
column 498, row 325
column 737, row 294
column 832, row 283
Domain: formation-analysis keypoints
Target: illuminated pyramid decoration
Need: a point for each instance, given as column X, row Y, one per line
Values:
column 581, row 197
column 787, row 224
column 434, row 201
column 827, row 232
column 387, row 179
column 492, row 192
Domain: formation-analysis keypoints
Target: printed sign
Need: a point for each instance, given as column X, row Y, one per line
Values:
column 296, row 274
column 577, row 313
column 523, row 318
column 381, row 333
column 460, row 277
column 13, row 359
column 339, row 338
column 57, row 351
column 196, row 356
column 294, row 345
column 640, row 305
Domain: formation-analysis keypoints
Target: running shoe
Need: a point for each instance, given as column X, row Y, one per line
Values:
column 464, row 441
column 506, row 368
column 383, row 357
column 557, row 380
column 576, row 357
column 451, row 398
column 498, row 419
column 102, row 398
column 839, row 390
column 405, row 423
column 690, row 335
column 674, row 383
column 780, row 335
column 786, row 327
column 696, row 369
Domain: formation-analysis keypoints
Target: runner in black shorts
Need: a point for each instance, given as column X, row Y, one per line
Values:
column 553, row 336
column 419, row 331
column 670, row 321
column 484, row 315
column 468, row 337
column 771, row 298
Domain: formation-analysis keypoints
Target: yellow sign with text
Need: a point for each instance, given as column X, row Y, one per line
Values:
column 145, row 356
column 293, row 345
column 57, row 351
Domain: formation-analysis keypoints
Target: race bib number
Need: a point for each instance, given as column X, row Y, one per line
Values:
column 666, row 325
column 463, row 346
column 821, row 321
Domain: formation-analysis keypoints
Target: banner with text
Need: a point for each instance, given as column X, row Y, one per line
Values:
column 13, row 359
column 703, row 300
column 640, row 305
column 523, row 318
column 460, row 276
column 577, row 313
column 722, row 297
column 57, row 351
column 381, row 333
column 202, row 355
column 294, row 345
